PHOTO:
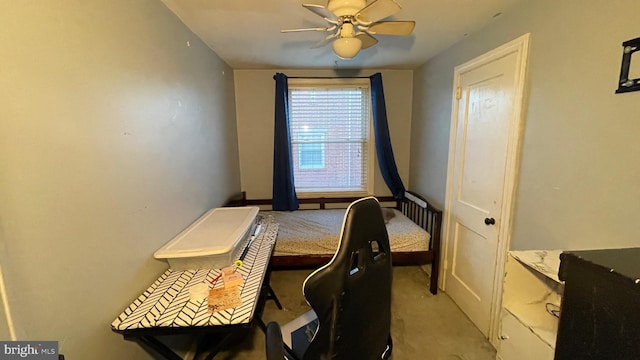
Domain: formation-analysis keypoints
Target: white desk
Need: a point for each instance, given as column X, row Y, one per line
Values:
column 165, row 309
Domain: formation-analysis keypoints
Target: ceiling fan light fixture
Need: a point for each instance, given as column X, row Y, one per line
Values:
column 347, row 47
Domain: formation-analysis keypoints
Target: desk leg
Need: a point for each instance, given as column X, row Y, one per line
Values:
column 159, row 347
column 262, row 325
column 212, row 351
column 271, row 295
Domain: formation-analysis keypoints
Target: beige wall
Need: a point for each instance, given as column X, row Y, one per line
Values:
column 579, row 173
column 255, row 111
column 117, row 129
column 5, row 332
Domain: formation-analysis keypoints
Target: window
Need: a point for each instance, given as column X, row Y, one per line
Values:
column 311, row 149
column 330, row 136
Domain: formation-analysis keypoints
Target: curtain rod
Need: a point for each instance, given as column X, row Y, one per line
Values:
column 328, row 77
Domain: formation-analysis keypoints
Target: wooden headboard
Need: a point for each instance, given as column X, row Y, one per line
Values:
column 308, row 203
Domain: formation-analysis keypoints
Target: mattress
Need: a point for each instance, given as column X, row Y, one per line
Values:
column 310, row 232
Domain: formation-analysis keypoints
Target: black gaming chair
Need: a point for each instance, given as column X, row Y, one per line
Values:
column 351, row 295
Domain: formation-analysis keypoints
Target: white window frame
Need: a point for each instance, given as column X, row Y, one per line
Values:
column 342, row 83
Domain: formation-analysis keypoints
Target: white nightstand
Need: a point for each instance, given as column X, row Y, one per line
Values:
column 532, row 294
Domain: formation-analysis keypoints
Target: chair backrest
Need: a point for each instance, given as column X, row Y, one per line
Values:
column 351, row 295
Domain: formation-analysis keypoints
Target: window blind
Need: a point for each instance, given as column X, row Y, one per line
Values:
column 330, row 138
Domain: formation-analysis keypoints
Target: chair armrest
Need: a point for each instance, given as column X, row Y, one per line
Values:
column 274, row 346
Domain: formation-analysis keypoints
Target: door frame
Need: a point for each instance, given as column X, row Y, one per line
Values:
column 520, row 46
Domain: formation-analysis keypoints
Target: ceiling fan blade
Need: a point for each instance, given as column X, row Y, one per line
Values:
column 392, row 28
column 367, row 40
column 321, row 11
column 377, row 10
column 307, row 29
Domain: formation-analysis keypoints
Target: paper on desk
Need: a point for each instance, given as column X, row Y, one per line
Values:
column 224, row 298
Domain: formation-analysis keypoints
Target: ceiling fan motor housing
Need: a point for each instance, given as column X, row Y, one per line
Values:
column 346, row 7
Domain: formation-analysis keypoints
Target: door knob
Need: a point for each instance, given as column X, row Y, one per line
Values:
column 489, row 221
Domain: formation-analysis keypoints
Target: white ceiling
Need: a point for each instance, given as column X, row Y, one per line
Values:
column 246, row 33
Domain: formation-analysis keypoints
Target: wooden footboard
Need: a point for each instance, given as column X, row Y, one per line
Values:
column 428, row 217
column 412, row 205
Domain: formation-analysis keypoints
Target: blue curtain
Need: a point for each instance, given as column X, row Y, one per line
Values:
column 384, row 151
column 284, row 191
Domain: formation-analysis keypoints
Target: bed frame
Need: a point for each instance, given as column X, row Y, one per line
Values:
column 412, row 205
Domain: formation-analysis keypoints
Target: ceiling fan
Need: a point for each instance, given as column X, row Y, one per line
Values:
column 352, row 24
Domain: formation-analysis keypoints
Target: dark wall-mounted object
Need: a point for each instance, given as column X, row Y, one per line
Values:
column 625, row 84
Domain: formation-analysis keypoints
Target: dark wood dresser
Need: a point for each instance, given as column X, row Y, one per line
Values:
column 600, row 311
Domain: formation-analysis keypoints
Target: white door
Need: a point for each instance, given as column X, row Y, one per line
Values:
column 481, row 177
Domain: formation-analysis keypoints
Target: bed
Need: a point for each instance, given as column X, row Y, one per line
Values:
column 308, row 237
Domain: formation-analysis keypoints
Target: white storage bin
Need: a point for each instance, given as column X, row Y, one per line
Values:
column 213, row 241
